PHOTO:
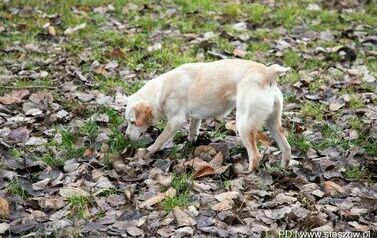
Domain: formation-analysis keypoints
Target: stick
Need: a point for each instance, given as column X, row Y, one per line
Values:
column 30, row 87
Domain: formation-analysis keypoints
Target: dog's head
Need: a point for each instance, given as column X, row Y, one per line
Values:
column 139, row 117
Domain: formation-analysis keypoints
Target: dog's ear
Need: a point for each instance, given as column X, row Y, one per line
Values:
column 143, row 114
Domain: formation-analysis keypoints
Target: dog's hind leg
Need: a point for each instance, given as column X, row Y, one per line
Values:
column 274, row 126
column 194, row 129
column 248, row 136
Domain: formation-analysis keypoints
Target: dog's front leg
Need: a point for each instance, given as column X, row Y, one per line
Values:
column 167, row 134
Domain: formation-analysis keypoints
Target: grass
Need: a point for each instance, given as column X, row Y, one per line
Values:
column 330, row 138
column 354, row 173
column 51, row 160
column 118, row 143
column 217, row 134
column 14, row 187
column 232, row 10
column 291, row 59
column 257, row 13
column 98, row 40
column 287, row 16
column 290, row 79
column 90, row 129
column 182, row 185
column 15, row 153
column 313, row 110
column 115, row 119
column 68, row 140
column 370, row 146
column 107, row 192
column 299, row 141
column 355, row 102
column 355, row 123
column 78, row 205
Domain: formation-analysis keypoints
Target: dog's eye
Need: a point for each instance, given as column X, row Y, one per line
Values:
column 132, row 122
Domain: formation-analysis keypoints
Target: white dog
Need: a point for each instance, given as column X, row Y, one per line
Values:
column 198, row 91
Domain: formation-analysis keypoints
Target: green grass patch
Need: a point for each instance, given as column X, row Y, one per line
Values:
column 257, row 13
column 354, row 173
column 290, row 79
column 232, row 10
column 259, row 47
column 90, row 129
column 291, row 59
column 78, row 205
column 313, row 110
column 68, row 140
column 330, row 138
column 118, row 143
column 182, row 184
column 287, row 16
column 51, row 160
column 372, row 65
column 107, row 192
column 370, row 146
column 218, row 134
column 299, row 141
column 115, row 119
column 190, row 6
column 14, row 187
column 355, row 102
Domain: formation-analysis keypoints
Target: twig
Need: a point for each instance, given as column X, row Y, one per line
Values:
column 30, row 87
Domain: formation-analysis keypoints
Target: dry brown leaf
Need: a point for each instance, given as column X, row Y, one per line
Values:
column 88, row 153
column 224, row 205
column 171, row 192
column 333, row 189
column 227, row 196
column 116, row 53
column 204, row 171
column 51, row 31
column 239, row 53
column 14, row 96
column 182, row 218
column 68, row 192
column 231, row 125
column 101, row 70
column 4, row 208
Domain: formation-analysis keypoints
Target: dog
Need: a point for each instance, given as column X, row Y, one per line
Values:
column 196, row 91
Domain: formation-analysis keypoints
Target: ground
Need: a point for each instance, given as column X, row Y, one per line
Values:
column 67, row 67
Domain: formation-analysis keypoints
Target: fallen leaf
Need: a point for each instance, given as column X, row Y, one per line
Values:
column 4, row 208
column 14, row 96
column 227, row 196
column 51, row 31
column 182, row 218
column 40, row 185
column 19, row 135
column 68, row 192
column 71, row 30
column 204, row 171
column 134, row 231
column 333, row 189
column 36, row 141
column 171, row 192
column 223, row 205
column 231, row 125
column 239, row 53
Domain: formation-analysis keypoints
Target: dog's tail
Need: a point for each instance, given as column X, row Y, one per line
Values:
column 276, row 70
column 273, row 72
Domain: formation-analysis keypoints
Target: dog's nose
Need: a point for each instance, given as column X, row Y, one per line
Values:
column 126, row 136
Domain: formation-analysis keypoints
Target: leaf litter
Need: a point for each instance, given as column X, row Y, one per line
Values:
column 67, row 170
